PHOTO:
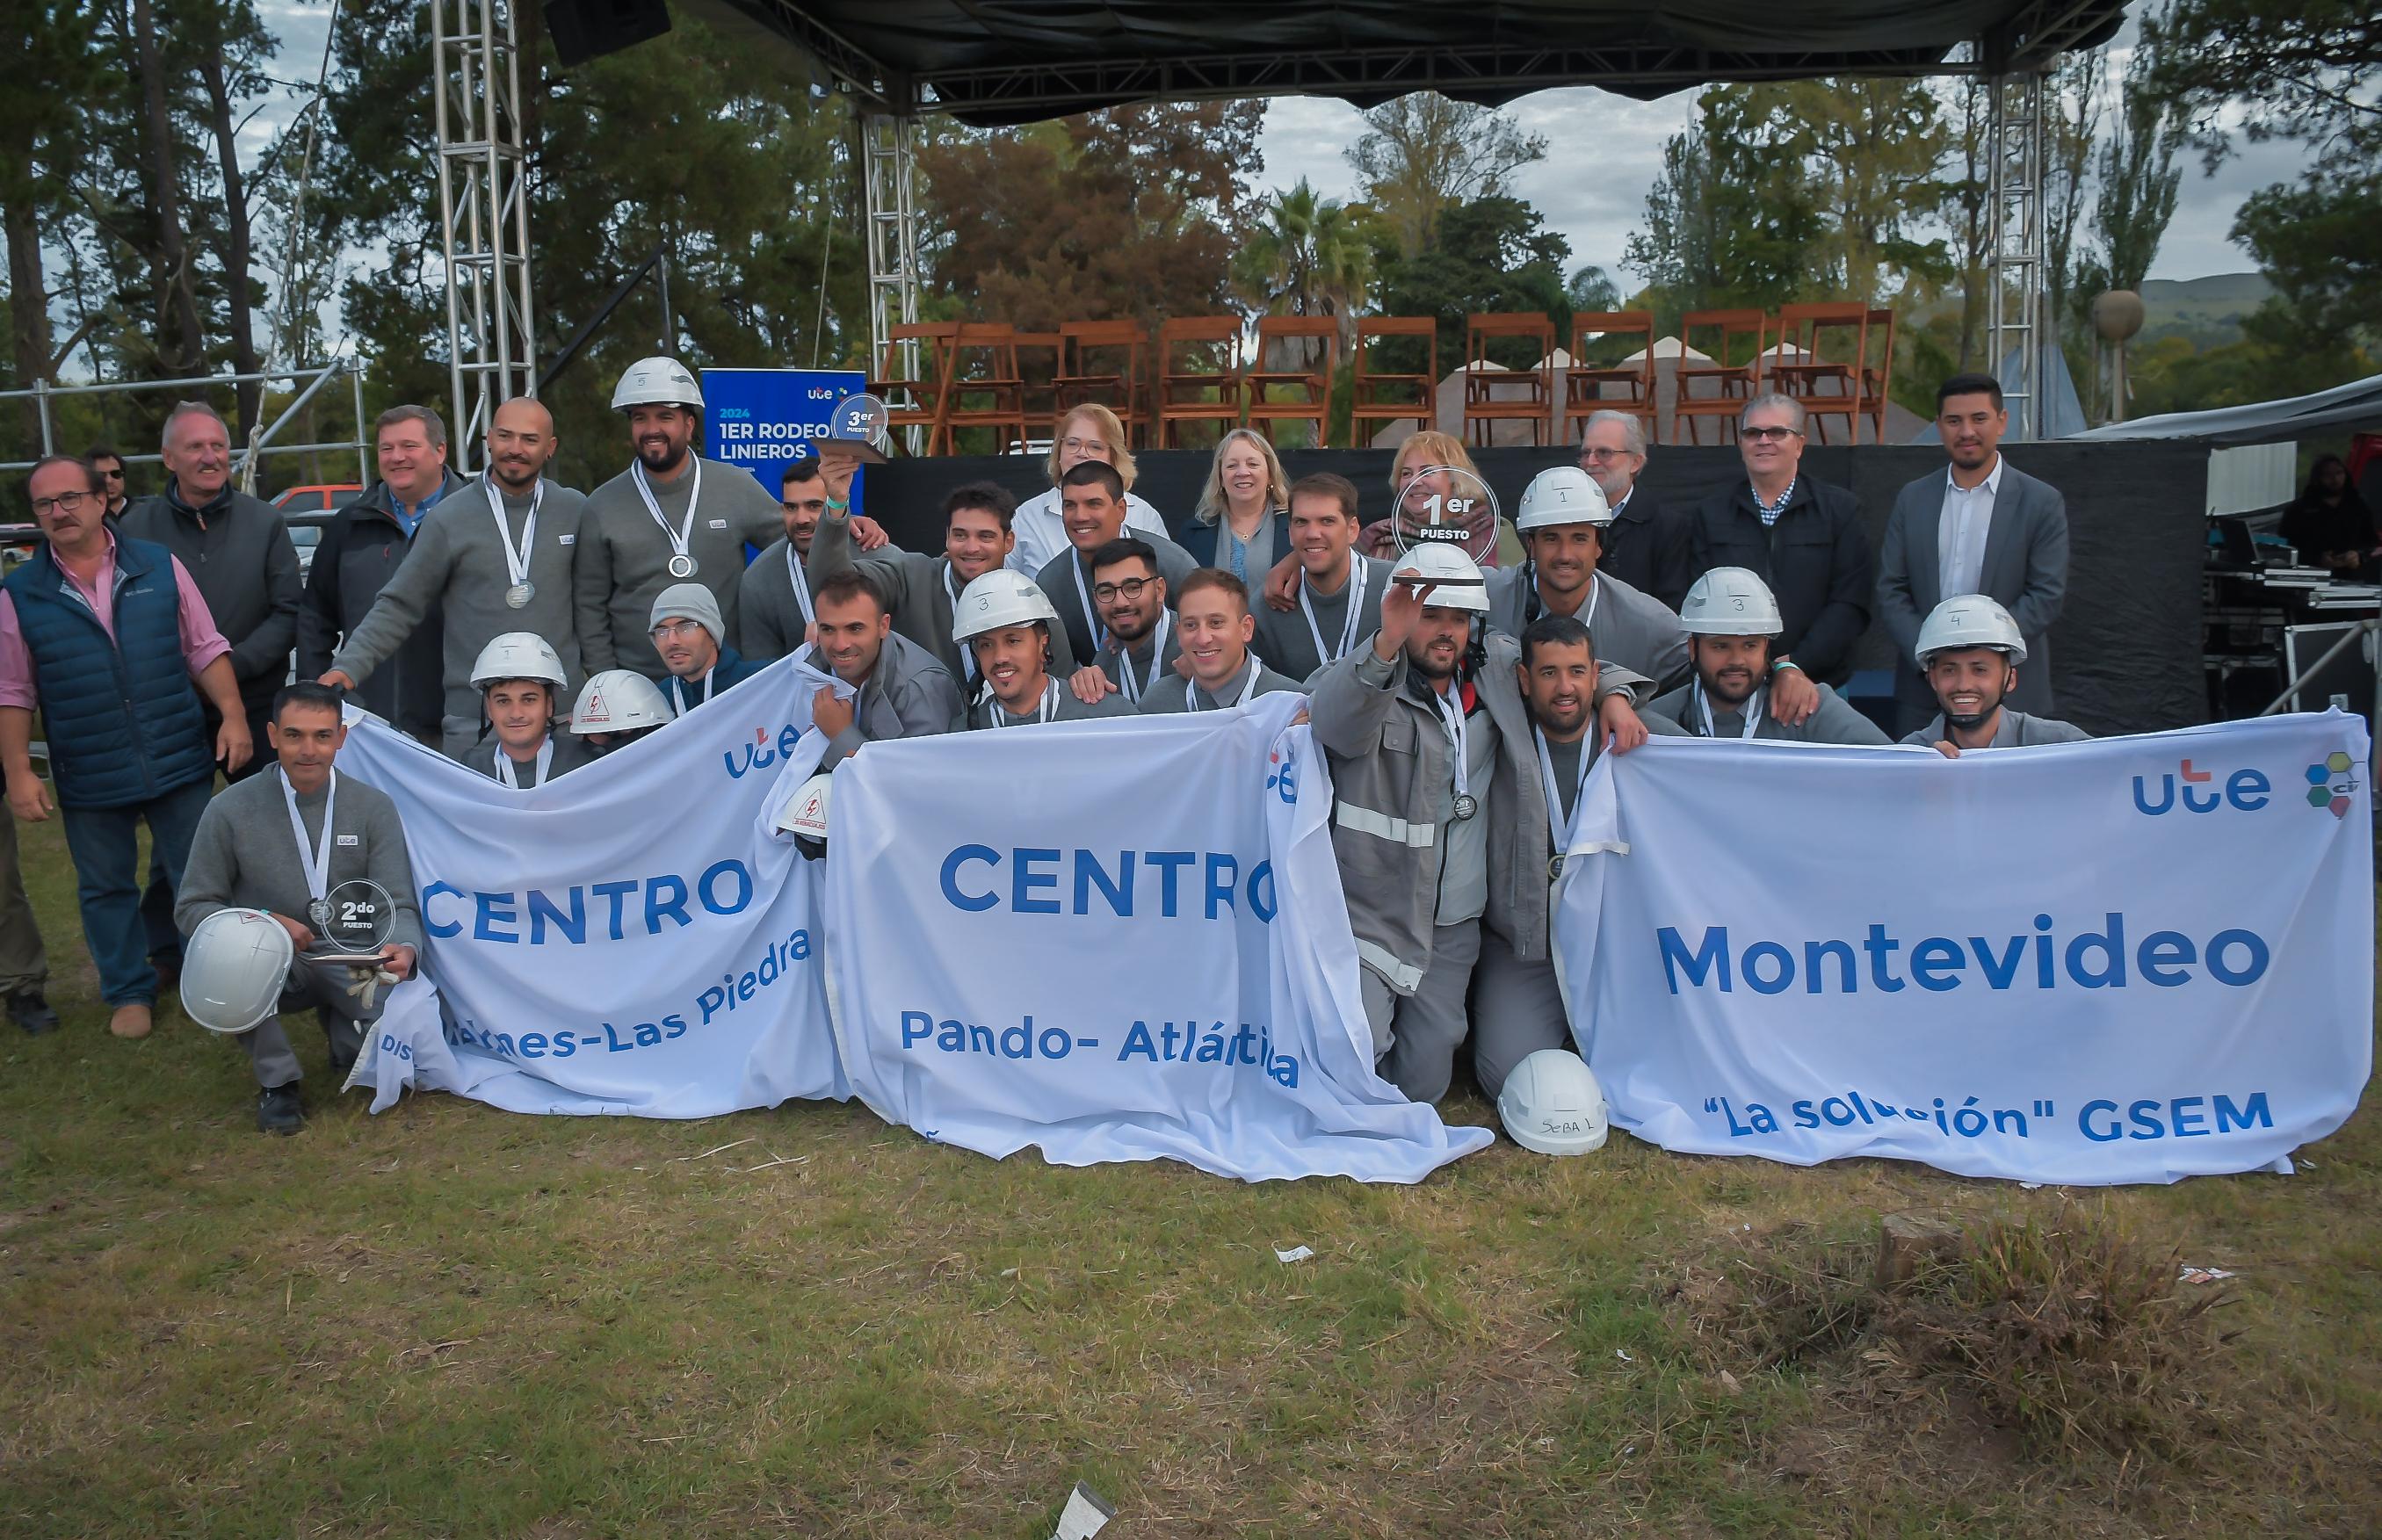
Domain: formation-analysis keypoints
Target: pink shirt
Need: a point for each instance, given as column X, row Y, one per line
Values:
column 201, row 644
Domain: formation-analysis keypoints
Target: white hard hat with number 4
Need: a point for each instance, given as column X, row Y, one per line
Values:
column 657, row 381
column 233, row 968
column 1563, row 495
column 517, row 655
column 1969, row 621
column 1001, row 598
column 1551, row 1104
column 617, row 701
column 1730, row 601
column 1455, row 578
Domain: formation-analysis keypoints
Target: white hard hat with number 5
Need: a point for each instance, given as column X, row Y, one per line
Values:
column 657, row 381
column 1001, row 598
column 1563, row 495
column 1730, row 601
column 1969, row 621
column 1455, row 579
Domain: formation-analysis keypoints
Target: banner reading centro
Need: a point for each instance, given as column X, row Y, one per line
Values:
column 2128, row 961
column 633, row 937
column 1117, row 941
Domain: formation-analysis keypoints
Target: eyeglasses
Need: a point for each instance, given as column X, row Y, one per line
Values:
column 669, row 631
column 1085, row 446
column 114, row 475
column 1770, row 435
column 1132, row 588
column 65, row 502
column 1594, row 453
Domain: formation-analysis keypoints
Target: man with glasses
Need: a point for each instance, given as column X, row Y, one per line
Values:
column 1645, row 544
column 104, row 635
column 110, row 466
column 692, row 640
column 1801, row 537
column 1133, row 602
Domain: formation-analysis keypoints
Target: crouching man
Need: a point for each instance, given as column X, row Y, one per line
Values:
column 282, row 844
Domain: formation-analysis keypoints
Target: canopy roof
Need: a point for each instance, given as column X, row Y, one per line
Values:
column 996, row 62
column 2357, row 404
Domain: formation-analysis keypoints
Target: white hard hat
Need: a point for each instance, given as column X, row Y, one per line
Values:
column 657, row 381
column 1730, row 601
column 233, row 968
column 1551, row 1104
column 617, row 701
column 1456, row 579
column 1000, row 597
column 1969, row 621
column 1563, row 495
column 805, row 815
column 517, row 655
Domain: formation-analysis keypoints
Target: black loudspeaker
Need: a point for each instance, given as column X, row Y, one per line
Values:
column 587, row 30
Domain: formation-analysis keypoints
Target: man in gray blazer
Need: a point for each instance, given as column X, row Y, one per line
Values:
column 1984, row 527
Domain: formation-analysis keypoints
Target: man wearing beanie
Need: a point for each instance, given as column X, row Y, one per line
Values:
column 693, row 641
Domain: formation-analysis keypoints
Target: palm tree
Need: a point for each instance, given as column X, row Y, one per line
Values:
column 1308, row 256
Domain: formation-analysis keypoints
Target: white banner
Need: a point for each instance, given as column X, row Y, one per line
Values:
column 1115, row 940
column 632, row 937
column 2128, row 960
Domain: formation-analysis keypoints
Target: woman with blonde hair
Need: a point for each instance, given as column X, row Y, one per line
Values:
column 1089, row 432
column 1433, row 482
column 1241, row 524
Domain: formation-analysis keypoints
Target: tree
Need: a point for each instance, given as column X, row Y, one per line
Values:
column 2138, row 182
column 1592, row 289
column 1964, row 207
column 1490, row 254
column 1309, row 257
column 2071, row 102
column 1733, row 217
column 1423, row 154
column 1875, row 150
column 39, row 137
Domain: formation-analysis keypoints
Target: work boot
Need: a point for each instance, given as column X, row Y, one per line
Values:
column 31, row 1011
column 131, row 1020
column 279, row 1110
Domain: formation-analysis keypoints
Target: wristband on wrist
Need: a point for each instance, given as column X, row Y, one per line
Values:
column 840, row 504
column 1785, row 663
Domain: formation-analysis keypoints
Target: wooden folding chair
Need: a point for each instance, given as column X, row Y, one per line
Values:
column 1290, row 340
column 1105, row 362
column 1831, row 343
column 984, row 390
column 1585, row 383
column 1876, row 381
column 913, row 397
column 1378, row 397
column 1040, row 357
column 1493, row 394
column 1189, row 393
column 1731, row 332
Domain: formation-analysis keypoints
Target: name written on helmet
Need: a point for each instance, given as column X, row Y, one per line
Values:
column 598, row 911
column 1168, row 885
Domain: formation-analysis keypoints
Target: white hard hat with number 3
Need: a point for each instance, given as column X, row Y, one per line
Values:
column 997, row 600
column 1730, row 601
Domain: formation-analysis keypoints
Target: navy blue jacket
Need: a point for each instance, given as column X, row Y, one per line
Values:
column 1202, row 539
column 726, row 674
column 122, row 717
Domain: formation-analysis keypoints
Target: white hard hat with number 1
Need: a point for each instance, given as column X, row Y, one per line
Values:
column 1563, row 495
column 657, row 381
column 517, row 655
column 999, row 599
column 1730, row 601
column 1455, row 578
column 1969, row 621
column 233, row 968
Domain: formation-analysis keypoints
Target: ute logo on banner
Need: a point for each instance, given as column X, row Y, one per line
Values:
column 1119, row 949
column 607, row 942
column 2014, row 964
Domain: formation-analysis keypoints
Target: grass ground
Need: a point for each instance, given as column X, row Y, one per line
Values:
column 452, row 1321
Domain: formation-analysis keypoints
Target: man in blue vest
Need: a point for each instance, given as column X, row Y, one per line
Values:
column 103, row 636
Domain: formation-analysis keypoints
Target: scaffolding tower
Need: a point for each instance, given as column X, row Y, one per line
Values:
column 483, row 215
column 892, row 182
column 2014, row 261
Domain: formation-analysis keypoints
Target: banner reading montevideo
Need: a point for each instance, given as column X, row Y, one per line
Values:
column 1116, row 941
column 2128, row 961
column 634, row 938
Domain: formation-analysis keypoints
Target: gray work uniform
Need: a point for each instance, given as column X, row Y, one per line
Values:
column 456, row 571
column 569, row 753
column 908, row 694
column 1635, row 630
column 245, row 855
column 2015, row 730
column 624, row 556
column 920, row 591
column 773, row 615
column 1287, row 642
column 1058, row 579
column 1175, row 694
column 1147, row 664
column 1834, row 721
column 24, row 962
column 988, row 713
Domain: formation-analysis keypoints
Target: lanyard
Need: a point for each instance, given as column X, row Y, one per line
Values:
column 1559, row 826
column 801, row 579
column 1092, row 618
column 316, row 861
column 504, row 763
column 1587, row 612
column 1356, row 587
column 1135, row 692
column 1047, row 712
column 1451, row 712
column 1249, row 687
column 678, row 537
column 967, row 653
column 678, row 699
column 517, row 562
column 1752, row 711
